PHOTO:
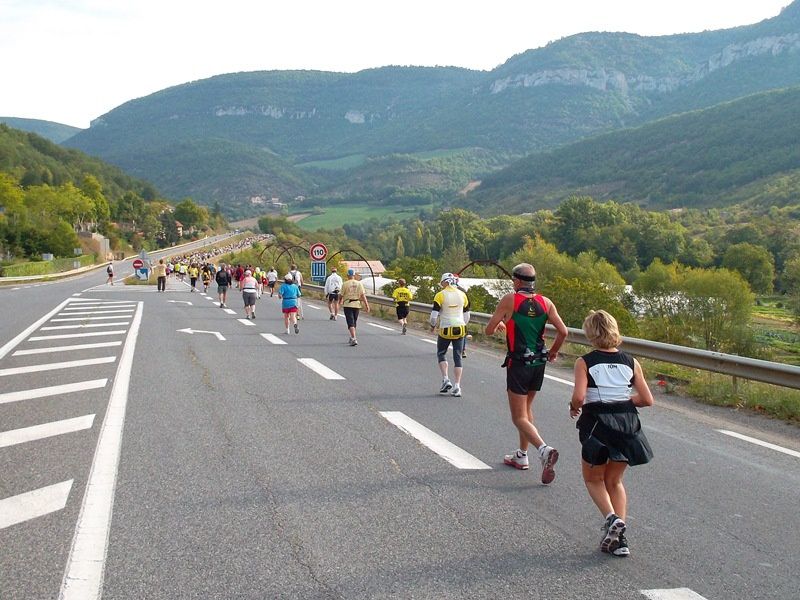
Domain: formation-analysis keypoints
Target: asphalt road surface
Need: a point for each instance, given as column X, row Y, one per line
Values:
column 231, row 460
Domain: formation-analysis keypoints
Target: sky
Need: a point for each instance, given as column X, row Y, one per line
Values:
column 71, row 61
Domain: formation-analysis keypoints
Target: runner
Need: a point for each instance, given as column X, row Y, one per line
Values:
column 110, row 273
column 402, row 296
column 333, row 286
column 609, row 430
column 206, row 276
column 451, row 312
column 289, row 294
column 194, row 273
column 223, row 279
column 522, row 314
column 272, row 277
column 160, row 271
column 297, row 278
column 249, row 294
column 353, row 298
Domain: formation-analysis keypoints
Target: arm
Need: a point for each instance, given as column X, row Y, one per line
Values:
column 364, row 301
column 561, row 331
column 501, row 314
column 643, row 395
column 579, row 391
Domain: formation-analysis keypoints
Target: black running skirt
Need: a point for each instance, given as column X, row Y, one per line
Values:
column 612, row 432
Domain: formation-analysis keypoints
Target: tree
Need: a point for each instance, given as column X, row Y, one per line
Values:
column 574, row 298
column 399, row 250
column 754, row 263
column 190, row 214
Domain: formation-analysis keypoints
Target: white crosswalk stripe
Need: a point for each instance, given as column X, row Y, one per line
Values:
column 45, row 430
column 35, row 503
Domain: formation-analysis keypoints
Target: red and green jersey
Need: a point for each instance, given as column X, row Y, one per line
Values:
column 525, row 328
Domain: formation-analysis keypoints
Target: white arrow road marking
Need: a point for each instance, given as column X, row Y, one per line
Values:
column 36, row 503
column 672, row 594
column 319, row 368
column 69, row 364
column 66, row 348
column 273, row 339
column 444, row 448
column 190, row 331
column 380, row 326
column 83, row 577
column 246, row 322
column 180, row 302
column 760, row 443
column 65, row 336
column 52, row 390
column 45, row 430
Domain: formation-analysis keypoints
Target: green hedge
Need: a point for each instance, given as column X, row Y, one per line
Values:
column 45, row 267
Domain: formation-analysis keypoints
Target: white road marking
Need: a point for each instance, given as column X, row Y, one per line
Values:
column 36, row 503
column 9, row 346
column 306, row 305
column 434, row 342
column 69, row 364
column 15, row 289
column 91, row 302
column 246, row 322
column 191, row 331
column 66, row 348
column 83, row 578
column 672, row 594
column 54, row 327
column 45, row 430
column 273, row 339
column 77, row 294
column 760, row 443
column 64, row 336
column 319, row 368
column 88, row 318
column 559, row 380
column 71, row 312
column 230, row 311
column 52, row 390
column 432, row 440
column 180, row 302
column 381, row 326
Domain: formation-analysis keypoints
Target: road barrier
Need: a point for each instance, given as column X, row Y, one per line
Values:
column 716, row 362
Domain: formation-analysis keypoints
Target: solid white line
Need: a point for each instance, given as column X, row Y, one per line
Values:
column 273, row 339
column 9, row 346
column 559, row 380
column 66, row 348
column 88, row 318
column 380, row 326
column 69, row 364
column 54, row 327
column 230, row 311
column 434, row 342
column 36, row 503
column 760, row 443
column 312, row 306
column 672, row 594
column 319, row 368
column 246, row 322
column 447, row 450
column 83, row 577
column 52, row 390
column 45, row 430
column 65, row 336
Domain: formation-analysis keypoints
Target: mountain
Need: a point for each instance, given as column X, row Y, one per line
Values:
column 740, row 151
column 263, row 126
column 55, row 132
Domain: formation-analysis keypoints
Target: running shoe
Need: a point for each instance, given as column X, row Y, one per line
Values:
column 253, row 315
column 332, row 318
column 549, row 457
column 354, row 342
column 614, row 528
column 622, row 550
column 464, row 354
column 296, row 328
column 517, row 460
column 456, row 391
column 287, row 331
column 446, row 386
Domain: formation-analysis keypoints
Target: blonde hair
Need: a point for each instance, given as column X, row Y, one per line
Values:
column 602, row 330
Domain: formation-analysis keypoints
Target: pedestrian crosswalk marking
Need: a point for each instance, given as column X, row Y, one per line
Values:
column 70, row 364
column 45, row 430
column 52, row 390
column 84, row 326
column 66, row 348
column 36, row 503
column 64, row 320
column 65, row 336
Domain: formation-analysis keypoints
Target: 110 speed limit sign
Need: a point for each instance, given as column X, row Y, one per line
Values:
column 318, row 251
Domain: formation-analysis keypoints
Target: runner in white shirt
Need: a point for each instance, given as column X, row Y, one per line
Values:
column 333, row 286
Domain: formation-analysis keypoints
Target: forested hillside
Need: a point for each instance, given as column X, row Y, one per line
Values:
column 740, row 151
column 55, row 132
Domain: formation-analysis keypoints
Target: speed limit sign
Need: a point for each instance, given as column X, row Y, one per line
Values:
column 318, row 251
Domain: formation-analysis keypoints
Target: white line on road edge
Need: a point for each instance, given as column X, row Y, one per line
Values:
column 36, row 503
column 246, row 322
column 444, row 448
column 65, row 336
column 559, row 380
column 429, row 341
column 312, row 306
column 69, row 364
column 273, row 339
column 380, row 326
column 83, row 577
column 45, row 430
column 9, row 346
column 760, row 443
column 66, row 348
column 319, row 368
column 54, row 327
column 53, row 390
column 672, row 594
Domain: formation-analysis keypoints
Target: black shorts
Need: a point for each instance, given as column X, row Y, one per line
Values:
column 351, row 316
column 521, row 379
column 271, row 284
column 402, row 311
column 333, row 297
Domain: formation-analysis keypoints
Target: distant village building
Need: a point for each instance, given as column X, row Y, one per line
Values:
column 258, row 200
column 362, row 268
column 179, row 227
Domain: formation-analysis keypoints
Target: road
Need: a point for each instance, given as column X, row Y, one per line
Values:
column 175, row 464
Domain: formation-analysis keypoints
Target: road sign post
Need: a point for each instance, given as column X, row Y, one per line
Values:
column 319, row 271
column 318, row 251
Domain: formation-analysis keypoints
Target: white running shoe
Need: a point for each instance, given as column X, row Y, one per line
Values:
column 446, row 386
column 517, row 460
column 549, row 457
column 614, row 528
column 456, row 391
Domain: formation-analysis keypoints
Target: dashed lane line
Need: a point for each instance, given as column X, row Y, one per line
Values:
column 67, row 348
column 45, row 430
column 381, row 326
column 36, row 503
column 672, row 594
column 319, row 368
column 758, row 442
column 447, row 450
column 429, row 341
column 273, row 339
column 246, row 322
column 559, row 380
column 230, row 311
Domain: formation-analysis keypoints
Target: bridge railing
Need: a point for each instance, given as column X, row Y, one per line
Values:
column 716, row 362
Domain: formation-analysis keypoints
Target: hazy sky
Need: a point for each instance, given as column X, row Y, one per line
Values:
column 73, row 60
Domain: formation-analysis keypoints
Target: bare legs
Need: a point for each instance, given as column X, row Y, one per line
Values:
column 522, row 417
column 604, row 483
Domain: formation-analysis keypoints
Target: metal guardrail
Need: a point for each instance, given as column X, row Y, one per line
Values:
column 716, row 362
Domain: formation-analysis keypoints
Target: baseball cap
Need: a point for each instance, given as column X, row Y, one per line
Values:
column 248, row 272
column 449, row 278
column 288, row 277
column 351, row 272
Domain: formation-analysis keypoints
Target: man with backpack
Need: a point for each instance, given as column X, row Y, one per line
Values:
column 223, row 278
column 110, row 273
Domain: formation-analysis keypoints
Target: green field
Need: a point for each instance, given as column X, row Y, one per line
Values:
column 336, row 216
